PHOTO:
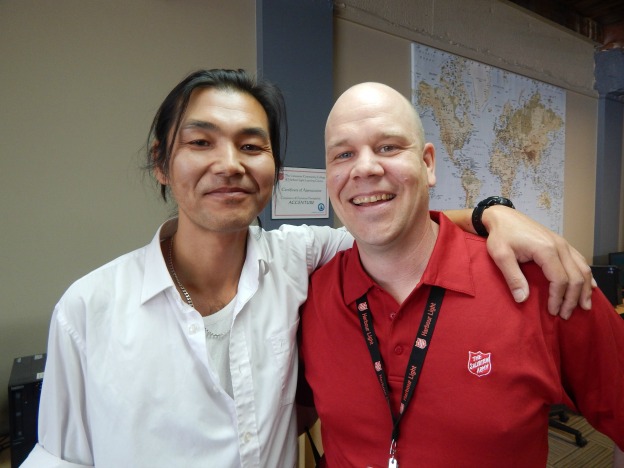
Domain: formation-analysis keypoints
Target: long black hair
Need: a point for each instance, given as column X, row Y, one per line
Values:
column 167, row 120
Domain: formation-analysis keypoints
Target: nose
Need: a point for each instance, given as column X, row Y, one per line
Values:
column 229, row 162
column 367, row 164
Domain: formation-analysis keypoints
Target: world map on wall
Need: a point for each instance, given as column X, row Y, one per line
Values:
column 495, row 133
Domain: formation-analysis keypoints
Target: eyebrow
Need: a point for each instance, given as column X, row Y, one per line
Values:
column 380, row 136
column 209, row 126
column 339, row 143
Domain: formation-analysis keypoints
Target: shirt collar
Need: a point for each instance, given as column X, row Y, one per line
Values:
column 449, row 266
column 157, row 278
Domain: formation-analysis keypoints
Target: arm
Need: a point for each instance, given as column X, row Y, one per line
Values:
column 515, row 238
column 63, row 428
column 591, row 370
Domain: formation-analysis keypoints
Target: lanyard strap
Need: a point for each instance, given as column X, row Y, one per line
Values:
column 417, row 356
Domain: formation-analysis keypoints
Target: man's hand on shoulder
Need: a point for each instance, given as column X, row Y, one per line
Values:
column 515, row 238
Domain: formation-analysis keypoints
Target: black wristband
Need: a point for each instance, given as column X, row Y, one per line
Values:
column 477, row 224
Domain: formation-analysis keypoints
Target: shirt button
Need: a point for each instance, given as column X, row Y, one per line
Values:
column 246, row 437
column 193, row 328
column 392, row 315
column 398, row 349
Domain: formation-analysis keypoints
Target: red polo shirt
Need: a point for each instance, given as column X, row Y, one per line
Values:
column 492, row 371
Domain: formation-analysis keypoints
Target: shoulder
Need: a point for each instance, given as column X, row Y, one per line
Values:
column 102, row 281
column 306, row 233
column 316, row 245
column 330, row 275
column 336, row 265
column 482, row 260
column 278, row 241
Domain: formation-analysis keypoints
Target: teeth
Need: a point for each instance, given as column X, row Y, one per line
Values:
column 372, row 198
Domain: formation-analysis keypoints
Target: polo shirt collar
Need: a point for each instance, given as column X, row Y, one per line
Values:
column 449, row 266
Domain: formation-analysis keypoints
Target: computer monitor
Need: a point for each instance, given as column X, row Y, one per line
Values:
column 608, row 279
column 617, row 259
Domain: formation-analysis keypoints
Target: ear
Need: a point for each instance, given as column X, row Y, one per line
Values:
column 158, row 172
column 429, row 159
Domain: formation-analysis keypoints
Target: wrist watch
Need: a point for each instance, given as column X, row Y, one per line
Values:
column 482, row 206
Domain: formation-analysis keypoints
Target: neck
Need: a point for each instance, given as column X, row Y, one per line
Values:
column 398, row 269
column 208, row 265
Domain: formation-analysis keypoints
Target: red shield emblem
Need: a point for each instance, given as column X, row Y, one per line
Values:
column 479, row 363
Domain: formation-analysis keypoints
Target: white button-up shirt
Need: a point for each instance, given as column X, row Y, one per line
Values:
column 128, row 382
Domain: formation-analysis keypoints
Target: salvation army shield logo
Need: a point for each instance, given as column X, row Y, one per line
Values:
column 479, row 363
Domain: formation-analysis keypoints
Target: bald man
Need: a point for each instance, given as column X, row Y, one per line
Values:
column 478, row 392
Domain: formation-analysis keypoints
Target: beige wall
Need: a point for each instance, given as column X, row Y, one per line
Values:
column 495, row 32
column 79, row 84
column 372, row 42
column 579, row 194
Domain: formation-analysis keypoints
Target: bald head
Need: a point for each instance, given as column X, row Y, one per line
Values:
column 368, row 99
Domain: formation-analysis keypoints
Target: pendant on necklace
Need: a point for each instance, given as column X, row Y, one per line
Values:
column 215, row 335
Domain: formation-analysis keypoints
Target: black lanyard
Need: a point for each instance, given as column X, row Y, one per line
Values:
column 416, row 359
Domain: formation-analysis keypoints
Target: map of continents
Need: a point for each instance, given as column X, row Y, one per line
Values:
column 495, row 133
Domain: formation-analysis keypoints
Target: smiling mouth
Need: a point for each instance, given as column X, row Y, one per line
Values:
column 372, row 198
column 228, row 191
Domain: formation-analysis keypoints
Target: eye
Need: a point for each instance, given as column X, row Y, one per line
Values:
column 251, row 147
column 254, row 149
column 199, row 142
column 387, row 148
column 345, row 155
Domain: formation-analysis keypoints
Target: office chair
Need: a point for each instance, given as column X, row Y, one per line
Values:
column 557, row 417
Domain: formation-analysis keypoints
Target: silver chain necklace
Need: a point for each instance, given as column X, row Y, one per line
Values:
column 186, row 294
